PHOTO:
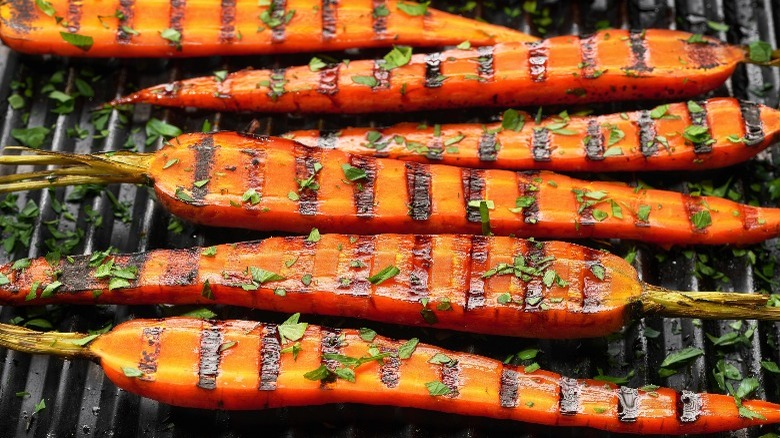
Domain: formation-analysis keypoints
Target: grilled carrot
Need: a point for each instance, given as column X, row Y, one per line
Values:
column 490, row 285
column 610, row 65
column 267, row 183
column 243, row 365
column 180, row 28
column 648, row 140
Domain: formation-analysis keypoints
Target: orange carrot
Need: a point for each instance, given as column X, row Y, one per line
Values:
column 266, row 183
column 489, row 285
column 726, row 132
column 242, row 365
column 177, row 28
column 611, row 65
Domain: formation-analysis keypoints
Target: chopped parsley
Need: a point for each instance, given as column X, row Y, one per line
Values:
column 385, row 274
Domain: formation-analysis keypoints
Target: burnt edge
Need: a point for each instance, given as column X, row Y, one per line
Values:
column 689, row 405
column 450, row 377
column 330, row 344
column 278, row 12
column 329, row 80
column 150, row 338
column 533, row 289
column 126, row 10
column 363, row 251
column 699, row 118
column 379, row 24
column 208, row 357
column 176, row 18
column 74, row 15
column 590, row 284
column 589, row 56
column 328, row 139
column 182, row 268
column 389, row 370
column 381, row 75
column 526, row 187
column 639, row 50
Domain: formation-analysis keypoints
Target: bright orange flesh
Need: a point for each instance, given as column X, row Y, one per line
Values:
column 210, row 28
column 619, row 65
column 331, row 277
column 274, row 184
column 609, row 143
column 238, row 365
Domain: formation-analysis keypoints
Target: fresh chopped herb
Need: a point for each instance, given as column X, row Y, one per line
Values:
column 398, row 57
column 437, row 388
column 760, row 51
column 406, row 349
column 694, row 107
column 719, row 27
column 201, row 183
column 440, row 359
column 306, row 279
column 50, row 288
column 292, row 196
column 184, row 196
column 367, row 334
column 206, row 292
column 291, row 329
column 316, row 64
column 294, row 349
column 353, row 173
column 696, row 38
column 770, row 366
column 513, row 120
column 385, row 274
column 262, row 276
column 381, row 11
column 202, row 313
column 251, row 196
column 504, row 298
column 531, row 368
column 680, row 357
column 701, row 219
column 31, row 137
column 156, row 128
column 132, row 372
column 209, row 252
column 614, row 151
column 465, row 45
column 173, row 36
column 615, row 135
column 320, row 373
column 220, row 75
column 170, row 163
column 413, row 9
column 83, row 42
column 598, row 271
column 45, row 7
column 643, row 213
column 314, row 236
column 227, row 345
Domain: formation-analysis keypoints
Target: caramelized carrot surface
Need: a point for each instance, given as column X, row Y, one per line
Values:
column 173, row 28
column 611, row 65
column 243, row 365
column 727, row 131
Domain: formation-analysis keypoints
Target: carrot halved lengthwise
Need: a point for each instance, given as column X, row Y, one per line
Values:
column 698, row 135
column 269, row 183
column 177, row 28
column 611, row 65
column 243, row 365
column 489, row 285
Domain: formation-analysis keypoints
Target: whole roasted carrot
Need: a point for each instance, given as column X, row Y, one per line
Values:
column 489, row 285
column 155, row 28
column 266, row 183
column 698, row 135
column 242, row 365
column 610, row 65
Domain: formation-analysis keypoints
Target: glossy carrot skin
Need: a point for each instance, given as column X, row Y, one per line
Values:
column 331, row 277
column 298, row 188
column 234, row 27
column 623, row 142
column 183, row 362
column 611, row 65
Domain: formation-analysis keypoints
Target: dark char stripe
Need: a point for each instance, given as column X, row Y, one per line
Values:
column 328, row 139
column 592, row 287
column 475, row 294
column 533, row 290
column 570, row 396
column 76, row 276
column 589, row 56
column 594, row 141
column 422, row 260
column 699, row 118
column 363, row 251
column 692, row 206
column 255, row 170
column 689, row 406
column 126, row 22
column 276, row 83
column 204, row 163
column 278, row 12
column 750, row 216
column 330, row 344
column 526, row 187
column 388, row 371
column 418, row 190
column 176, row 20
column 381, row 75
column 485, row 68
column 329, row 80
column 270, row 358
column 380, row 21
column 227, row 16
column 433, row 76
column 537, row 61
column 208, row 357
column 473, row 181
column 639, row 49
column 509, row 390
column 754, row 127
column 150, row 336
column 450, row 377
column 435, row 149
column 364, row 189
column 647, row 133
column 540, row 144
column 137, row 261
column 703, row 56
column 628, row 404
column 488, row 147
column 305, row 158
column 182, row 268
column 330, row 16
column 74, row 15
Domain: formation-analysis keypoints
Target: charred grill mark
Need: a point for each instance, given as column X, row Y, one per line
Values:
column 182, row 269
column 754, row 127
column 330, row 344
column 702, row 54
column 77, row 276
column 589, row 56
column 570, row 396
column 74, row 15
column 435, row 149
column 433, row 76
column 329, row 80
column 418, row 190
column 363, row 190
column 422, row 259
column 592, row 287
column 594, row 141
column 270, row 358
column 509, row 389
column 584, row 209
column 638, row 52
column 328, row 139
column 450, row 377
column 204, row 162
column 647, row 141
column 305, row 159
column 475, row 295
column 136, row 261
column 208, row 357
column 150, row 337
column 278, row 12
column 485, row 68
column 176, row 19
column 227, row 16
column 388, row 371
column 750, row 217
column 699, row 118
column 255, row 169
column 692, row 207
column 363, row 251
column 488, row 147
column 125, row 22
column 276, row 83
column 381, row 75
column 330, row 10
column 537, row 61
column 526, row 188
column 628, row 404
column 689, row 406
column 473, row 181
column 534, row 288
column 380, row 21
column 540, row 144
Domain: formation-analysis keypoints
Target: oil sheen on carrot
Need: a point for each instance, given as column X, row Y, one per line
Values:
column 611, row 65
column 177, row 28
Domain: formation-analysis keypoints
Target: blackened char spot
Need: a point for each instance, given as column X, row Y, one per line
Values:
column 208, row 357
column 330, row 9
column 689, row 406
column 74, row 15
column 639, row 49
column 150, row 337
column 435, row 149
column 754, row 127
column 699, row 118
column 255, row 170
column 388, row 372
column 422, row 260
column 418, row 190
column 76, row 276
column 227, row 16
column 363, row 251
column 704, row 55
column 135, row 261
column 276, row 83
column 125, row 22
column 488, row 147
column 204, row 162
column 540, row 144
column 510, row 382
column 22, row 14
column 381, row 75
column 533, row 289
column 433, row 76
column 363, row 189
column 473, row 181
column 485, row 68
column 328, row 139
column 594, row 141
column 176, row 18
column 592, row 287
column 589, row 55
column 329, row 80
column 570, row 396
column 527, row 188
column 380, row 21
column 475, row 294
column 537, row 61
column 182, row 269
column 450, row 377
column 647, row 134
column 278, row 13
column 628, row 404
column 330, row 344
column 692, row 207
column 270, row 358
column 305, row 158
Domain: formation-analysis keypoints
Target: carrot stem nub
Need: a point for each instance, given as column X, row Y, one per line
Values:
column 67, row 345
column 707, row 305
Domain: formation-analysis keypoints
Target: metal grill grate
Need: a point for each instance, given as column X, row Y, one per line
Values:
column 80, row 401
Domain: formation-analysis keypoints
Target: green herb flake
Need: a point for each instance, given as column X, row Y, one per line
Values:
column 385, row 274
column 398, row 57
column 437, row 388
column 598, row 270
column 367, row 334
column 353, row 173
column 760, row 52
column 132, row 372
column 413, row 9
column 406, row 349
column 701, row 219
column 680, row 357
column 83, row 42
column 291, row 329
column 316, row 64
column 314, row 236
column 513, row 120
column 368, row 81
